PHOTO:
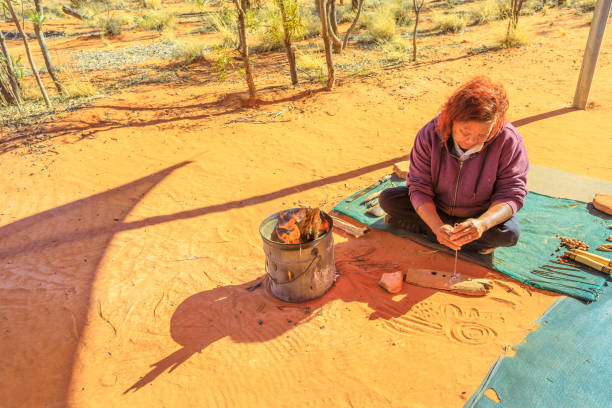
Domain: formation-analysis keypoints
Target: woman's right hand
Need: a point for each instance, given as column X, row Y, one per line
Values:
column 443, row 234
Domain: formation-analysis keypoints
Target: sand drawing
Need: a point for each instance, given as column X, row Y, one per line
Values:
column 458, row 324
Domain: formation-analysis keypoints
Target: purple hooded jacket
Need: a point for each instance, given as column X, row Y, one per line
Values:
column 496, row 174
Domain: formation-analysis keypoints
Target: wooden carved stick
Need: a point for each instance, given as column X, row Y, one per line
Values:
column 589, row 262
column 596, row 258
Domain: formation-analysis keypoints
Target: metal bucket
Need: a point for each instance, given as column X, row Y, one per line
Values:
column 299, row 272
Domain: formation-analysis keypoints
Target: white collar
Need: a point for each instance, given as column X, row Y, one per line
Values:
column 463, row 155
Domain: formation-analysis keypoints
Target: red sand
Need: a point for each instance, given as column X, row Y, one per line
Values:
column 128, row 245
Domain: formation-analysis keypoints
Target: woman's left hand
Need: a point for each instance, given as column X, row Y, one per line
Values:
column 468, row 231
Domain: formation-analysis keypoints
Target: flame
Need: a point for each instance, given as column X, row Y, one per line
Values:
column 303, row 225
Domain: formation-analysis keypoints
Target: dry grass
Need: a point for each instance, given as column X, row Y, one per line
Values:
column 312, row 65
column 153, row 4
column 485, row 13
column 381, row 25
column 156, row 21
column 449, row 23
column 394, row 51
column 516, row 38
column 191, row 52
column 80, row 88
column 587, row 5
column 224, row 24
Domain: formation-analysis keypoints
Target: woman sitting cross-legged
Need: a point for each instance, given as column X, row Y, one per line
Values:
column 468, row 174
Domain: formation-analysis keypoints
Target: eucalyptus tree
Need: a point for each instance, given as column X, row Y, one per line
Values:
column 43, row 91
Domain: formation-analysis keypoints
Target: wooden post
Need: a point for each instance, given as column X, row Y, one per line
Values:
column 591, row 52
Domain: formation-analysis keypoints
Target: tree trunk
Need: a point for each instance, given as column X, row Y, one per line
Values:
column 417, row 11
column 29, row 53
column 417, row 6
column 355, row 4
column 245, row 51
column 328, row 55
column 348, row 32
column 40, row 36
column 288, row 45
column 332, row 27
column 9, row 69
column 333, row 17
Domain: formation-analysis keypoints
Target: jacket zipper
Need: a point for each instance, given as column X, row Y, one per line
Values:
column 456, row 188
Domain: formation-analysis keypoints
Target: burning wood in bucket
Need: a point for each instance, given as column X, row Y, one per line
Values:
column 300, row 226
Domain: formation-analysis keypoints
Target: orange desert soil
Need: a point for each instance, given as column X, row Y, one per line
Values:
column 129, row 238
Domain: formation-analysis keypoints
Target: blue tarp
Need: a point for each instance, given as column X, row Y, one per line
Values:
column 542, row 218
column 565, row 363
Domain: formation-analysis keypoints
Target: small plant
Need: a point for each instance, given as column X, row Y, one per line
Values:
column 312, row 24
column 504, row 10
column 271, row 28
column 394, row 51
column 111, row 26
column 515, row 38
column 312, row 65
column 401, row 10
column 156, row 21
column 381, row 25
column 587, row 6
column 224, row 22
column 80, row 88
column 191, row 52
column 484, row 14
column 345, row 13
column 452, row 3
column 152, row 4
column 449, row 23
column 223, row 62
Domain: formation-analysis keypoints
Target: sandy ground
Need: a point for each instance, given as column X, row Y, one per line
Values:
column 128, row 239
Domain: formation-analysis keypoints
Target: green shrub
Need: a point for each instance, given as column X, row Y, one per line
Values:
column 111, row 26
column 156, row 21
column 449, row 23
column 270, row 25
column 223, row 62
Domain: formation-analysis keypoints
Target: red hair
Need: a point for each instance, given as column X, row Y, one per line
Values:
column 480, row 100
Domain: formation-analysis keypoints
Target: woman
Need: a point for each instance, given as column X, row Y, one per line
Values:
column 468, row 174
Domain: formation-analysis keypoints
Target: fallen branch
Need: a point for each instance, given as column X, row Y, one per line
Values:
column 72, row 13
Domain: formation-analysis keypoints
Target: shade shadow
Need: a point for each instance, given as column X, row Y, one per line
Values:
column 542, row 116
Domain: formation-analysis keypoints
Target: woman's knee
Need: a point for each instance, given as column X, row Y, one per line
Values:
column 506, row 234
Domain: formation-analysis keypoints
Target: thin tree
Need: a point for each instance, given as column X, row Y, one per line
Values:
column 28, row 52
column 331, row 79
column 350, row 29
column 332, row 26
column 291, row 25
column 417, row 6
column 10, row 72
column 244, row 50
column 515, row 12
column 38, row 19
